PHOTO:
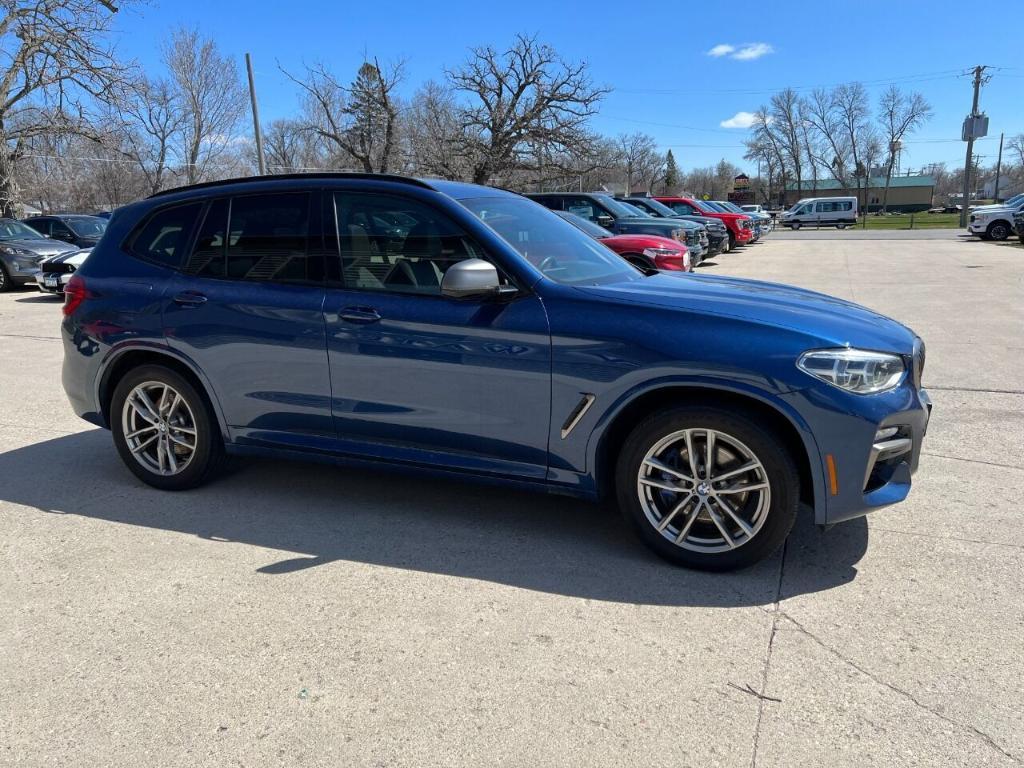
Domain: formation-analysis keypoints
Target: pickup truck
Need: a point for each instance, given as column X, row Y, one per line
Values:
column 740, row 226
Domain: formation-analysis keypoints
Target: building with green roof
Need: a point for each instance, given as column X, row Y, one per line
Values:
column 906, row 193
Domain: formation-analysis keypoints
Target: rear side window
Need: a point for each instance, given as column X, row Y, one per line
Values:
column 207, row 257
column 163, row 236
column 268, row 238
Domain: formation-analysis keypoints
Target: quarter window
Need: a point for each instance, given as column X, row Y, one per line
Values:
column 389, row 243
column 163, row 236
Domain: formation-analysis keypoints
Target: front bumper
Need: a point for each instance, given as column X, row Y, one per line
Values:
column 52, row 282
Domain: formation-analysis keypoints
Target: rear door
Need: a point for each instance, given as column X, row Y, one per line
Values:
column 418, row 377
column 248, row 311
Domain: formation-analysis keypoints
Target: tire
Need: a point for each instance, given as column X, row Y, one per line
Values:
column 732, row 242
column 769, row 510
column 998, row 230
column 840, row 225
column 192, row 413
column 5, row 280
column 795, row 225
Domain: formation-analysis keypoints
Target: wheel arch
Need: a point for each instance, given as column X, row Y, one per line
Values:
column 127, row 359
column 625, row 417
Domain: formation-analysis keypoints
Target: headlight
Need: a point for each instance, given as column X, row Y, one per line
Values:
column 11, row 250
column 855, row 370
column 679, row 234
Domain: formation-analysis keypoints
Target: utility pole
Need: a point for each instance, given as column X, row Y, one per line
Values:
column 255, row 118
column 978, row 72
column 999, row 166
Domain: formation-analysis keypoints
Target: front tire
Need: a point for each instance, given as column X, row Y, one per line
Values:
column 795, row 225
column 164, row 430
column 5, row 280
column 707, row 488
column 997, row 230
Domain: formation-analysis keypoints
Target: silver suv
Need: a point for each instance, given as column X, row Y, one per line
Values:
column 21, row 251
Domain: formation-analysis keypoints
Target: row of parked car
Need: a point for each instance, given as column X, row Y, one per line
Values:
column 675, row 234
column 998, row 221
column 46, row 250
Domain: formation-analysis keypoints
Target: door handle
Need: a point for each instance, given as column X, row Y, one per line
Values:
column 189, row 299
column 361, row 315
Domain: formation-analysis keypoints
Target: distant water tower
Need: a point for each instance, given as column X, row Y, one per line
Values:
column 896, row 148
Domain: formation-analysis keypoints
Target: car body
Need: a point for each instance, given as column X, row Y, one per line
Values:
column 55, row 272
column 755, row 221
column 79, row 230
column 444, row 328
column 647, row 252
column 760, row 217
column 718, row 235
column 994, row 223
column 21, row 250
column 1012, row 202
column 1018, row 222
column 696, row 233
column 740, row 226
column 838, row 212
column 620, row 219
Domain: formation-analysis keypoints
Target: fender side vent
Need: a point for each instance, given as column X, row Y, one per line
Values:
column 578, row 413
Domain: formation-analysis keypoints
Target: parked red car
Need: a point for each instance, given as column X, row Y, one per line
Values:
column 740, row 226
column 644, row 251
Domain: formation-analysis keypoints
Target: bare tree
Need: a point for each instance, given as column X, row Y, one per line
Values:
column 640, row 160
column 524, row 97
column 784, row 123
column 360, row 120
column 853, row 114
column 1016, row 144
column 822, row 113
column 434, row 135
column 212, row 97
column 53, row 56
column 290, row 148
column 899, row 114
column 150, row 116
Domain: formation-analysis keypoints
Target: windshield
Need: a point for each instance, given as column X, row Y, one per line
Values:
column 729, row 207
column 712, row 206
column 15, row 230
column 86, row 226
column 586, row 225
column 635, row 210
column 559, row 250
column 660, row 208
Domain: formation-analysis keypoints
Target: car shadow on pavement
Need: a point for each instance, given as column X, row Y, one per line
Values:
column 320, row 514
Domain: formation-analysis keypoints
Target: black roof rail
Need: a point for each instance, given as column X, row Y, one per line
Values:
column 294, row 176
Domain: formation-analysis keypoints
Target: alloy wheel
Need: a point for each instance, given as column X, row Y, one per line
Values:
column 159, row 428
column 704, row 490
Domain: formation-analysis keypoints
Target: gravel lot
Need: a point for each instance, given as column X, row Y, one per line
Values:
column 297, row 615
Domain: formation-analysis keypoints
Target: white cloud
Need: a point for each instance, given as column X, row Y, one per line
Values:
column 744, row 52
column 753, row 51
column 740, row 120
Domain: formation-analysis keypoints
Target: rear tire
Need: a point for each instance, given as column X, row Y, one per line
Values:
column 840, row 225
column 732, row 242
column 169, row 441
column 755, row 522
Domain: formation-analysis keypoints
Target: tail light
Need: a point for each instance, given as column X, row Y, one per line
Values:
column 669, row 259
column 75, row 293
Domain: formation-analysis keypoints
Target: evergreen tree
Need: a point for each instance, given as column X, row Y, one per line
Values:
column 671, row 173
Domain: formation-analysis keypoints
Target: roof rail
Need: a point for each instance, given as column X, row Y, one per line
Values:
column 294, row 176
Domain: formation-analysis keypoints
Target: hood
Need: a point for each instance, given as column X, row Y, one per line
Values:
column 74, row 257
column 998, row 210
column 831, row 320
column 707, row 221
column 41, row 247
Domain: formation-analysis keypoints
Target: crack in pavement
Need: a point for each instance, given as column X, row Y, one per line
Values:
column 991, row 742
column 947, row 538
column 972, row 461
column 768, row 656
column 28, row 336
column 942, row 388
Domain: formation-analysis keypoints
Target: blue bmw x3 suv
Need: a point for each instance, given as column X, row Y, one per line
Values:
column 448, row 328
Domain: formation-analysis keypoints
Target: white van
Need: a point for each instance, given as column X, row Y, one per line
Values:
column 839, row 212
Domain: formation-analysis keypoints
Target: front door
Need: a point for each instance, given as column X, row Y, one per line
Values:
column 418, row 377
column 248, row 310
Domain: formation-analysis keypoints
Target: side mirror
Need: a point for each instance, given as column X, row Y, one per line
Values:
column 604, row 220
column 472, row 278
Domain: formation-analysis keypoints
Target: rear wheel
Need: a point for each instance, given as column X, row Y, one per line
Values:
column 732, row 241
column 998, row 230
column 706, row 488
column 164, row 430
column 840, row 225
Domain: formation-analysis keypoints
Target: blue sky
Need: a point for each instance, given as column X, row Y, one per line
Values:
column 666, row 81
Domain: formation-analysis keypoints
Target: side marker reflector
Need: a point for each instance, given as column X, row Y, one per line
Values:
column 833, row 481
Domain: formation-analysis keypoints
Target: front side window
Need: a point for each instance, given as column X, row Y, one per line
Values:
column 584, row 208
column 562, row 252
column 684, row 208
column 391, row 243
column 163, row 237
column 87, row 226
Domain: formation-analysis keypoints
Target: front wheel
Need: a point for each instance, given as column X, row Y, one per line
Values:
column 998, row 231
column 5, row 280
column 163, row 429
column 795, row 225
column 706, row 488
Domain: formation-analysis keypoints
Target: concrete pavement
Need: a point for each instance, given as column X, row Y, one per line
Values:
column 291, row 614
